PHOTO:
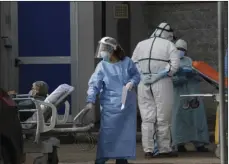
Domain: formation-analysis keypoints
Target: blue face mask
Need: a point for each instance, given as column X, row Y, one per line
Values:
column 182, row 53
column 105, row 55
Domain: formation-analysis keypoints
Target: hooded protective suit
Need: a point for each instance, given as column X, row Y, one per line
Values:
column 156, row 57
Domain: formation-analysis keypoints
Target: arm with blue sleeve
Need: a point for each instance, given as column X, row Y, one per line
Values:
column 134, row 74
column 95, row 84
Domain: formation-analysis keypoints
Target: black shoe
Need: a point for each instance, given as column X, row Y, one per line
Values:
column 181, row 148
column 202, row 149
column 149, row 155
column 121, row 161
column 166, row 155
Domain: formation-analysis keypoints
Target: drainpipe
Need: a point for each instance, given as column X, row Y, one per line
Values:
column 221, row 51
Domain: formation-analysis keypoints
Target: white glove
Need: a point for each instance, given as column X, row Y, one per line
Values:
column 129, row 85
column 90, row 106
column 89, row 114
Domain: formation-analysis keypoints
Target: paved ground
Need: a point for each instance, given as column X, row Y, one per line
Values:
column 70, row 154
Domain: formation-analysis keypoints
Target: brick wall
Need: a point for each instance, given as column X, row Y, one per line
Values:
column 195, row 22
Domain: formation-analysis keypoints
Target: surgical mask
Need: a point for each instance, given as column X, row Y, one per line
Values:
column 105, row 55
column 182, row 53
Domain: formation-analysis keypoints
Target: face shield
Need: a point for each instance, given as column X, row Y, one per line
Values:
column 105, row 48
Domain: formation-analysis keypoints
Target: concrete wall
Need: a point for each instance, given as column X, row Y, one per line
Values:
column 195, row 22
column 6, row 59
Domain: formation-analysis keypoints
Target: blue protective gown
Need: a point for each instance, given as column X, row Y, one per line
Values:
column 226, row 64
column 188, row 125
column 117, row 137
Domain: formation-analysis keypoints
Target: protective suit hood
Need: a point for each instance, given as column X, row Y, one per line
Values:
column 164, row 31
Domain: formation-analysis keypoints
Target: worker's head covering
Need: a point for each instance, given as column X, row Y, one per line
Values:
column 107, row 47
column 40, row 88
column 164, row 30
column 182, row 46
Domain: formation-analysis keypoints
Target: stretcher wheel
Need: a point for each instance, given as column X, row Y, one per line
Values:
column 217, row 151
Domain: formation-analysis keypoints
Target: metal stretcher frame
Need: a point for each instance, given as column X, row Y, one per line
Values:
column 41, row 125
column 216, row 97
column 207, row 78
column 47, row 146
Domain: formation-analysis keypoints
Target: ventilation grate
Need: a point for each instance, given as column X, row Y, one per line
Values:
column 120, row 11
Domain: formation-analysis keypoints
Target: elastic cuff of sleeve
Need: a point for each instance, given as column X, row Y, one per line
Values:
column 90, row 101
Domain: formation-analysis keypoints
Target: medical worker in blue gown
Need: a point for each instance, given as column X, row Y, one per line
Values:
column 117, row 137
column 226, row 64
column 189, row 122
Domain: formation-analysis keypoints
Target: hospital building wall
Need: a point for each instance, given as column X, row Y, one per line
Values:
column 195, row 22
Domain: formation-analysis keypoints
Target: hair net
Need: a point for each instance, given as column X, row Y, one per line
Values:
column 181, row 45
column 42, row 88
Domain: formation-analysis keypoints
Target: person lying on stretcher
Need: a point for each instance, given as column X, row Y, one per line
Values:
column 38, row 91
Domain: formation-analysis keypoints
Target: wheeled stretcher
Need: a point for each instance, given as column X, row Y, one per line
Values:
column 210, row 75
column 45, row 120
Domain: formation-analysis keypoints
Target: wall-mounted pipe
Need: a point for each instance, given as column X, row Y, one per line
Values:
column 221, row 50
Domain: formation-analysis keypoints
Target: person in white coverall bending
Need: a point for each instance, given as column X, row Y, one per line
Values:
column 157, row 59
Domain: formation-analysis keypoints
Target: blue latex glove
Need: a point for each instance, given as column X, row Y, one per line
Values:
column 185, row 69
column 152, row 78
column 163, row 72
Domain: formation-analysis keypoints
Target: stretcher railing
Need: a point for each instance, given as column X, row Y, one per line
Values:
column 211, row 76
column 216, row 98
column 45, row 120
column 43, row 127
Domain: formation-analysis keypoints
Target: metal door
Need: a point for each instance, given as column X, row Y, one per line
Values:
column 43, row 44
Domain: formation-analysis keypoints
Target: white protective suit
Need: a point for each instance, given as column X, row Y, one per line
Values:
column 156, row 100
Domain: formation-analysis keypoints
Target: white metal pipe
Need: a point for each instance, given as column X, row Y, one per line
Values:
column 223, row 154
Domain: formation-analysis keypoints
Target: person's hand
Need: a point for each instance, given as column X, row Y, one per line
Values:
column 90, row 106
column 89, row 114
column 129, row 85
